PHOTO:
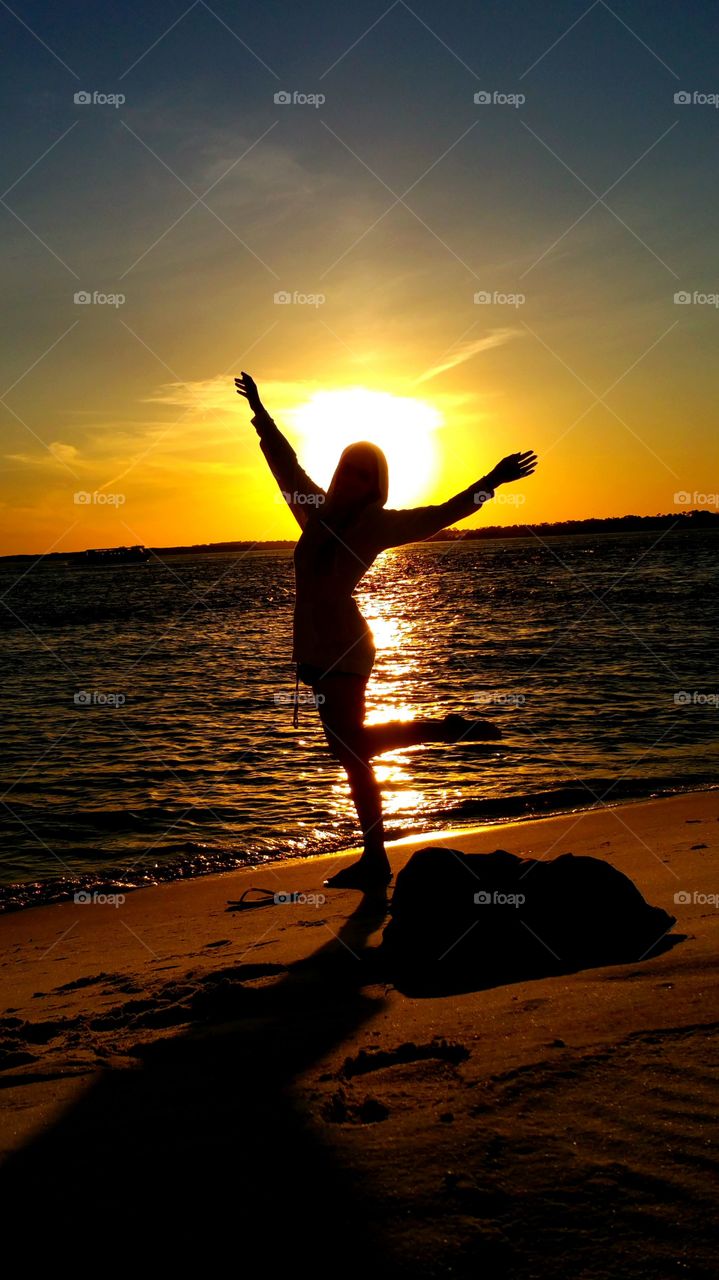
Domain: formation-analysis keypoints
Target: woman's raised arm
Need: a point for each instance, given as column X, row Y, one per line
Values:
column 417, row 523
column 300, row 492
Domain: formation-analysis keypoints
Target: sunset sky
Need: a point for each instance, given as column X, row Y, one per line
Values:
column 580, row 213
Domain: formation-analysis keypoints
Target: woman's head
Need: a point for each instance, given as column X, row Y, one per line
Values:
column 360, row 477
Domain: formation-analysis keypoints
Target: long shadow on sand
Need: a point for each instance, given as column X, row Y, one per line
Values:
column 205, row 1139
column 207, row 1126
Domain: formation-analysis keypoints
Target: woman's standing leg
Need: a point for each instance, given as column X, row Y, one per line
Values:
column 341, row 705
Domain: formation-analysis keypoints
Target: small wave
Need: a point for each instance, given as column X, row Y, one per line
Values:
column 188, row 859
column 601, row 792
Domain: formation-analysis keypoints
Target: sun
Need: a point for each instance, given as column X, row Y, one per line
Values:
column 402, row 427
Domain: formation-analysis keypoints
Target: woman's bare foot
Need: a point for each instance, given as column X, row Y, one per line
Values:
column 367, row 875
column 460, row 730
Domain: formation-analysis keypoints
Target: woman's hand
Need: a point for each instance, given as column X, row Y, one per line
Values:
column 514, row 467
column 247, row 387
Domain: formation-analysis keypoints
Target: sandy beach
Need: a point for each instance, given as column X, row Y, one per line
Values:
column 256, row 1070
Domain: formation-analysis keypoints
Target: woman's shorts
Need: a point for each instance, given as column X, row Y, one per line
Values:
column 312, row 675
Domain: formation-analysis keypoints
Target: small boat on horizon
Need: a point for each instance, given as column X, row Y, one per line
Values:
column 111, row 555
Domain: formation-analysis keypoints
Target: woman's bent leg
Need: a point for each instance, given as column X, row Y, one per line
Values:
column 396, row 734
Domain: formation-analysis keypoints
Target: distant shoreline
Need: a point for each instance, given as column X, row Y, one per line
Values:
column 685, row 521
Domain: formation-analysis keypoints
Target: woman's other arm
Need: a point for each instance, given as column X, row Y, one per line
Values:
column 417, row 523
column 300, row 492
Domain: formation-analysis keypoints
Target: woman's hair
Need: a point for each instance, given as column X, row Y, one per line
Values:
column 363, row 452
column 337, row 519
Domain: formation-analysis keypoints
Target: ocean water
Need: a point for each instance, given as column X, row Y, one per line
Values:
column 148, row 716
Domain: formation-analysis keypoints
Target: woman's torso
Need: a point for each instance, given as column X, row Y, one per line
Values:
column 330, row 558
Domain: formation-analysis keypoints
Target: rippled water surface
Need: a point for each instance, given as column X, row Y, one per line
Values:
column 596, row 655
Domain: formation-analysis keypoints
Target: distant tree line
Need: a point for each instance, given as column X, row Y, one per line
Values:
column 682, row 521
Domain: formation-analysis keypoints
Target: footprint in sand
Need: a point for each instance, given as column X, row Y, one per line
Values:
column 378, row 1059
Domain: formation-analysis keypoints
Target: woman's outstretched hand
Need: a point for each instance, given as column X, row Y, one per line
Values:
column 514, row 467
column 247, row 387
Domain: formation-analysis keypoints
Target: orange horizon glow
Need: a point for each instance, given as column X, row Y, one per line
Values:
column 195, row 473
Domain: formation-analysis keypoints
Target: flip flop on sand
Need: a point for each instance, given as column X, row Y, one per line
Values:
column 261, row 902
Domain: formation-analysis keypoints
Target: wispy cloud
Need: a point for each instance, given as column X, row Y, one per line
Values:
column 218, row 395
column 58, row 451
column 467, row 350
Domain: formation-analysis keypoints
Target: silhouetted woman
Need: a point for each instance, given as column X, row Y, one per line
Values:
column 343, row 531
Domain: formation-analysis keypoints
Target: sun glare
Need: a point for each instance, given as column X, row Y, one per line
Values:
column 401, row 426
